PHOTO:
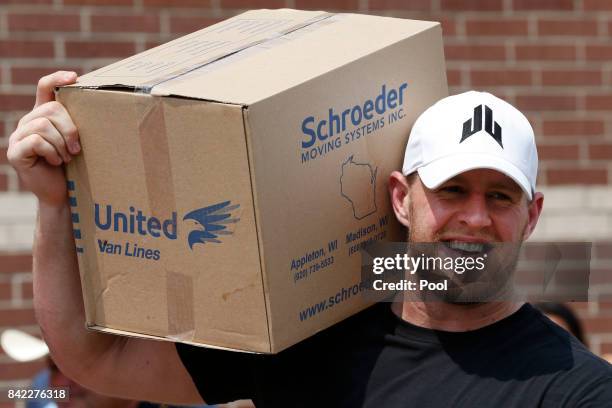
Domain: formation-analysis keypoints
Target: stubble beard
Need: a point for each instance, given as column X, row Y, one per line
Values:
column 493, row 283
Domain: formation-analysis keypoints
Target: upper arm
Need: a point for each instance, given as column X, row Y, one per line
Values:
column 141, row 369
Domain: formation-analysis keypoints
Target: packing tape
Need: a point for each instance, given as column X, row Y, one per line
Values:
column 156, row 157
column 160, row 195
column 146, row 88
column 179, row 294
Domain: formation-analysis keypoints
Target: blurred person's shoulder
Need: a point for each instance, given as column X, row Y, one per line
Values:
column 580, row 376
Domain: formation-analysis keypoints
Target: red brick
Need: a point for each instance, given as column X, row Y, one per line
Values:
column 129, row 24
column 597, row 5
column 599, row 52
column 5, row 291
column 600, row 151
column 99, row 2
column 31, row 75
column 252, row 4
column 573, row 127
column 558, row 152
column 26, row 49
column 2, row 134
column 599, row 102
column 500, row 78
column 600, row 276
column 17, row 317
column 577, row 176
column 474, row 5
column 3, row 182
column 416, row 5
column 190, row 24
column 448, row 25
column 326, row 5
column 578, row 306
column 545, row 52
column 475, row 52
column 27, row 1
column 605, row 298
column 15, row 102
column 44, row 22
column 453, row 77
column 496, row 27
column 99, row 49
column 543, row 4
column 15, row 263
column 606, row 348
column 3, row 160
column 597, row 325
column 574, row 77
column 545, row 102
column 177, row 3
column 21, row 371
column 603, row 250
column 567, row 27
column 27, row 290
column 153, row 44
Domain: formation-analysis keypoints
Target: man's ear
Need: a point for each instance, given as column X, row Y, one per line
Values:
column 534, row 210
column 398, row 191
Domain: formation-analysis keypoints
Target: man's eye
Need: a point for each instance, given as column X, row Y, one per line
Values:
column 501, row 197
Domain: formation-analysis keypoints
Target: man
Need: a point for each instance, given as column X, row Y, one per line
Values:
column 471, row 181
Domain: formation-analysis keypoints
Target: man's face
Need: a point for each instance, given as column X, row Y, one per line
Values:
column 464, row 216
column 476, row 206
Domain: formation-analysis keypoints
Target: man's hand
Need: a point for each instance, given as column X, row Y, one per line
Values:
column 45, row 139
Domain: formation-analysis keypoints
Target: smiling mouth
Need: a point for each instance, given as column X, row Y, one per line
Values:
column 471, row 248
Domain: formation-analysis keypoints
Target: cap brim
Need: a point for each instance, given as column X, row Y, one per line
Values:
column 445, row 168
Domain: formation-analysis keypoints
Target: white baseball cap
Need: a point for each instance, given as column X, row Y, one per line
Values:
column 472, row 130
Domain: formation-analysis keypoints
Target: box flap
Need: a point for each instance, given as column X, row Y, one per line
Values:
column 125, row 333
column 282, row 63
column 255, row 55
column 175, row 58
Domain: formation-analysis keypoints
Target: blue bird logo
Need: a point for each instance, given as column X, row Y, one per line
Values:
column 214, row 221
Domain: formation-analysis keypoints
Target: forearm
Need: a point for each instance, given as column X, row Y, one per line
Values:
column 58, row 299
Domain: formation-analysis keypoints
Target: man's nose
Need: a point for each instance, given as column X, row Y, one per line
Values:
column 474, row 212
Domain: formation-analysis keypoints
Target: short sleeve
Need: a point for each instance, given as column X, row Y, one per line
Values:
column 220, row 376
column 597, row 396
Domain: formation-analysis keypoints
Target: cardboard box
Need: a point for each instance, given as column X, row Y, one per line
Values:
column 229, row 177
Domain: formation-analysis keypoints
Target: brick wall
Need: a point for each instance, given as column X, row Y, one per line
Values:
column 16, row 311
column 551, row 58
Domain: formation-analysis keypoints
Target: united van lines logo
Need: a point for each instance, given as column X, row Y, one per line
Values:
column 210, row 223
column 474, row 125
column 213, row 221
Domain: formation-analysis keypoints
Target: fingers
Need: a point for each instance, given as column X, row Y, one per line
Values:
column 25, row 153
column 47, row 84
column 43, row 127
column 55, row 113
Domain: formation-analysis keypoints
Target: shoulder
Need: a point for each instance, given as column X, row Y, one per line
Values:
column 576, row 372
column 223, row 375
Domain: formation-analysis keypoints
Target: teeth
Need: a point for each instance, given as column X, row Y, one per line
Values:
column 466, row 246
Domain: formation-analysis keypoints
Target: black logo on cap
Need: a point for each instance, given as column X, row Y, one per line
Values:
column 492, row 128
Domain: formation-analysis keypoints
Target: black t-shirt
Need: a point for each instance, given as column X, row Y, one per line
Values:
column 375, row 359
